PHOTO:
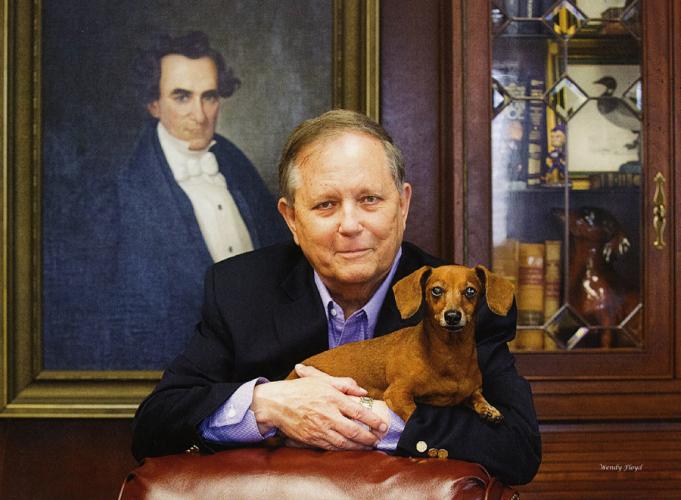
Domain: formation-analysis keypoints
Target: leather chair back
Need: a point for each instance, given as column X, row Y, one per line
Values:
column 290, row 473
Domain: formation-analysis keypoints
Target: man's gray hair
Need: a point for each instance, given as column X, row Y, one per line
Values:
column 329, row 124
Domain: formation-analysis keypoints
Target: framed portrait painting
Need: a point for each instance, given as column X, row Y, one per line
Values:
column 80, row 337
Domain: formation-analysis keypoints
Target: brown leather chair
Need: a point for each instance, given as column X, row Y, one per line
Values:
column 288, row 473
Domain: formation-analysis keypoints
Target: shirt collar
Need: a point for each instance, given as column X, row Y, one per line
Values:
column 373, row 307
column 177, row 151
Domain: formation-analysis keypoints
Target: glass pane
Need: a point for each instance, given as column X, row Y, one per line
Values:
column 566, row 170
column 602, row 9
column 565, row 19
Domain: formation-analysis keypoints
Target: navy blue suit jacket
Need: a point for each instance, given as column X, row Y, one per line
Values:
column 161, row 256
column 262, row 314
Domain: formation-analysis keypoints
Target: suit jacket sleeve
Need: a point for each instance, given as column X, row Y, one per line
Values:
column 192, row 388
column 511, row 450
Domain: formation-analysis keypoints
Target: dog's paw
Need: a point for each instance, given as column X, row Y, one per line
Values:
column 492, row 415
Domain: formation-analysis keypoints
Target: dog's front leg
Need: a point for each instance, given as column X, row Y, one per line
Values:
column 479, row 404
column 400, row 399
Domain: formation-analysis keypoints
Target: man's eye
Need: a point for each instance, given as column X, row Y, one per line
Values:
column 371, row 199
column 470, row 292
column 324, row 205
column 181, row 98
column 211, row 98
column 436, row 291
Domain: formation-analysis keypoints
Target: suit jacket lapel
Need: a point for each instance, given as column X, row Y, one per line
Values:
column 178, row 206
column 301, row 323
column 299, row 317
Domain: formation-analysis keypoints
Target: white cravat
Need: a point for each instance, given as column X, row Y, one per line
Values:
column 196, row 172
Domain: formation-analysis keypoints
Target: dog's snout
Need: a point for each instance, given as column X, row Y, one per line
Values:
column 452, row 318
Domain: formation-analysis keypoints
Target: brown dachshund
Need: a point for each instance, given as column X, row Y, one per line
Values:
column 434, row 362
column 597, row 292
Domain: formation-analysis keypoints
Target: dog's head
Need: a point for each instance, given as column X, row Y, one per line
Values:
column 452, row 294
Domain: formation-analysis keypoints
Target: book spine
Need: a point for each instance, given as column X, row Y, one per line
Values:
column 530, row 294
column 605, row 180
column 552, row 284
column 529, row 339
column 551, row 277
column 531, row 284
column 505, row 260
column 536, row 119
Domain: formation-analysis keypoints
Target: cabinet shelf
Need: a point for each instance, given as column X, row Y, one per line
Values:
column 559, row 190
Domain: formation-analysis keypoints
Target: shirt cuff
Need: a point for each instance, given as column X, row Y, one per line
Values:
column 392, row 436
column 234, row 421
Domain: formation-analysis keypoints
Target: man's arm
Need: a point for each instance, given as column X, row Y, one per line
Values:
column 193, row 387
column 235, row 423
column 167, row 420
column 200, row 381
column 511, row 450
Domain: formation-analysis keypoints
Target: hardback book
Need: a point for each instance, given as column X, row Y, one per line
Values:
column 519, row 66
column 505, row 260
column 607, row 180
column 580, row 182
column 529, row 339
column 536, row 136
column 551, row 277
column 509, row 135
column 529, row 12
column 530, row 293
column 552, row 284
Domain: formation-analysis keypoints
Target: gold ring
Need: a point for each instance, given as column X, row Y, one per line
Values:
column 366, row 402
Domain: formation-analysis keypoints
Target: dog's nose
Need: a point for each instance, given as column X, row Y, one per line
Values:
column 452, row 318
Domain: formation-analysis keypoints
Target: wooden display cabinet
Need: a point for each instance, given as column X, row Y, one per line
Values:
column 589, row 397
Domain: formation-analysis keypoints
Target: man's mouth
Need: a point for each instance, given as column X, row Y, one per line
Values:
column 352, row 253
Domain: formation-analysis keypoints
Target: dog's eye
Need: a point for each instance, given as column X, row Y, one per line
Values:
column 436, row 291
column 469, row 292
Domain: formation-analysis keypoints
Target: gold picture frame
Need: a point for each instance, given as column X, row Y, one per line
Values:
column 26, row 388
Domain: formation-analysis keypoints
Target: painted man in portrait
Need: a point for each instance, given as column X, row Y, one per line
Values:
column 188, row 197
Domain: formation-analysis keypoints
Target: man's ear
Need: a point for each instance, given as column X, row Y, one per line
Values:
column 288, row 212
column 153, row 109
column 405, row 200
column 408, row 292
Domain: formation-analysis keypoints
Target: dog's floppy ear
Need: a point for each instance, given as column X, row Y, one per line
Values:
column 499, row 291
column 408, row 294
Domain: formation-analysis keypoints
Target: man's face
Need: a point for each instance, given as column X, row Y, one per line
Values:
column 188, row 102
column 348, row 216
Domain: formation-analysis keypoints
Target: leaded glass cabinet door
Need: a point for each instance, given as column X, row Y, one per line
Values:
column 578, row 183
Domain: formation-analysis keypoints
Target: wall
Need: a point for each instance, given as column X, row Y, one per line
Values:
column 410, row 106
column 63, row 459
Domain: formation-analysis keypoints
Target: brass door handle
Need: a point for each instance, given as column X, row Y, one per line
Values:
column 659, row 212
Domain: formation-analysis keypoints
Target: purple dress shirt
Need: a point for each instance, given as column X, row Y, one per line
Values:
column 234, row 421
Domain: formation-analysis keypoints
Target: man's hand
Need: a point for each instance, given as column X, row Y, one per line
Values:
column 318, row 410
column 348, row 386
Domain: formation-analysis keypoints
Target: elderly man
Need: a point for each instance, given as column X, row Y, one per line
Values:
column 346, row 203
column 187, row 198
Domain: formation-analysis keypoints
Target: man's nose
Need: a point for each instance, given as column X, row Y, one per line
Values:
column 198, row 112
column 350, row 220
